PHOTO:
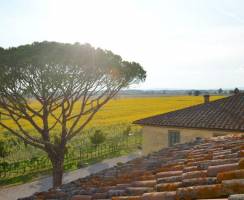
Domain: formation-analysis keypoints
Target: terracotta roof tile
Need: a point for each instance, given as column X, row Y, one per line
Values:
column 159, row 196
column 235, row 174
column 199, row 181
column 235, row 186
column 214, row 170
column 165, row 187
column 194, row 174
column 171, row 178
column 236, row 197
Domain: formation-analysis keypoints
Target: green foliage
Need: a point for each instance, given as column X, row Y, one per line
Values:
column 97, row 138
column 127, row 131
column 236, row 91
column 196, row 93
column 119, row 163
column 4, row 151
column 81, row 156
column 60, row 65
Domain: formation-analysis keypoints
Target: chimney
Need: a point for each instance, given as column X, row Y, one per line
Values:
column 206, row 98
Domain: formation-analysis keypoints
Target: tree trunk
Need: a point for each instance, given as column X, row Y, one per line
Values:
column 58, row 169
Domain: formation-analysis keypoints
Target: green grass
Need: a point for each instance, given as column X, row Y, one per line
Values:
column 83, row 156
column 21, row 179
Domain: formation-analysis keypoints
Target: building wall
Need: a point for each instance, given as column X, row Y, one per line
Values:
column 156, row 138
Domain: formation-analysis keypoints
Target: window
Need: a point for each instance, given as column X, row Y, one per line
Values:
column 173, row 137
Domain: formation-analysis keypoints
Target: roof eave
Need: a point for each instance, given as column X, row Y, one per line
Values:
column 190, row 127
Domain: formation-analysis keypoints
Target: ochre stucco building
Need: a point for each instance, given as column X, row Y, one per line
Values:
column 210, row 119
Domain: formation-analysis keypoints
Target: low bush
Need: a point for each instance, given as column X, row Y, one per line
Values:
column 97, row 138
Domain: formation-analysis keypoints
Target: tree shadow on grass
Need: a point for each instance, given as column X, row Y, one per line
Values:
column 21, row 179
column 17, row 179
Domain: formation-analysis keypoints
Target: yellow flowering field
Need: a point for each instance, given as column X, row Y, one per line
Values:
column 125, row 110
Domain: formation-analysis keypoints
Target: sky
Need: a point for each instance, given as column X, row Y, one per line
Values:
column 182, row 44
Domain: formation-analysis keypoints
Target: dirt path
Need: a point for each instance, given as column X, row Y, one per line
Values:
column 27, row 189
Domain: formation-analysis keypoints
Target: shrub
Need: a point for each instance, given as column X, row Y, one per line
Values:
column 127, row 131
column 3, row 150
column 82, row 164
column 119, row 164
column 97, row 138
